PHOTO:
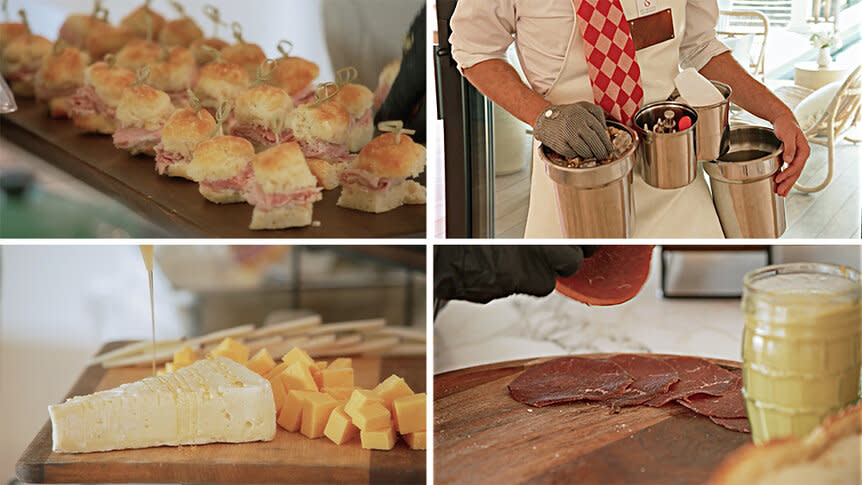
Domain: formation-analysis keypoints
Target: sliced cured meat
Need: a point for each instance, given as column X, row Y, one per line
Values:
column 651, row 377
column 696, row 376
column 612, row 275
column 367, row 180
column 728, row 405
column 734, row 424
column 569, row 379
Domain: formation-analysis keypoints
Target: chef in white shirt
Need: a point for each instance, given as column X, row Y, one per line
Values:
column 559, row 101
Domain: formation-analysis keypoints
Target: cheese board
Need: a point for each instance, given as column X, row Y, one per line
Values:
column 481, row 434
column 175, row 204
column 289, row 458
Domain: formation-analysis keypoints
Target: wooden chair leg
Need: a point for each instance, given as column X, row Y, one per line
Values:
column 830, row 168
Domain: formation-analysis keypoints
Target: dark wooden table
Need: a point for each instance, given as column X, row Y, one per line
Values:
column 175, row 204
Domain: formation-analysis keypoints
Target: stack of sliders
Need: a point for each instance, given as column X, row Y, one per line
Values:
column 222, row 167
column 377, row 181
column 22, row 57
column 321, row 129
column 142, row 114
column 185, row 129
column 59, row 77
column 93, row 107
column 262, row 113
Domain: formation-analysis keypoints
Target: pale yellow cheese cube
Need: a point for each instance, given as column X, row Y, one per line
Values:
column 297, row 355
column 184, row 356
column 339, row 393
column 339, row 428
column 372, row 416
column 321, row 364
column 337, row 377
column 290, row 417
column 409, row 413
column 383, row 439
column 233, row 350
column 297, row 376
column 359, row 398
column 341, row 363
column 391, row 389
column 261, row 363
column 171, row 367
column 316, row 408
column 415, row 440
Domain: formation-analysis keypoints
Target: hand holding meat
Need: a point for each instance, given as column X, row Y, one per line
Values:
column 574, row 130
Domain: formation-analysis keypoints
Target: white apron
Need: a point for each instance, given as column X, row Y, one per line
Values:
column 659, row 213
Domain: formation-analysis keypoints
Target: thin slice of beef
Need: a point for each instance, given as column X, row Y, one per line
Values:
column 734, row 424
column 569, row 379
column 651, row 377
column 696, row 376
column 612, row 275
column 728, row 405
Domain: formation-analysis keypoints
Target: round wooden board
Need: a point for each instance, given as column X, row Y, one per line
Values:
column 482, row 435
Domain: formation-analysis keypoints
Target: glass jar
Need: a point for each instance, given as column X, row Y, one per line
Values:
column 800, row 346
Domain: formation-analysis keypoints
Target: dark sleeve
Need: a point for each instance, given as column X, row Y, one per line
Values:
column 406, row 100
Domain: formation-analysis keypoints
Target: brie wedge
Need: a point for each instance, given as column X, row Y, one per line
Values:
column 212, row 400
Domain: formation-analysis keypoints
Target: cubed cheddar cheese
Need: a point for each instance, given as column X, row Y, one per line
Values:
column 233, row 350
column 391, row 389
column 339, row 428
column 359, row 398
column 297, row 355
column 341, row 363
column 275, row 371
column 184, row 356
column 372, row 416
column 261, row 363
column 316, row 408
column 279, row 394
column 290, row 417
column 415, row 440
column 337, row 377
column 316, row 375
column 409, row 413
column 339, row 393
column 298, row 377
column 321, row 364
column 383, row 439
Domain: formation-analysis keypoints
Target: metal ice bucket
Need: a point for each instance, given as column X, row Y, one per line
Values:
column 743, row 190
column 713, row 127
column 595, row 202
column 666, row 160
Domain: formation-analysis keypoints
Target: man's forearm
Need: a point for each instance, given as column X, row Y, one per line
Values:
column 499, row 81
column 748, row 93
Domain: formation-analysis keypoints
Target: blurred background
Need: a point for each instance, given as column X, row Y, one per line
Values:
column 689, row 305
column 60, row 304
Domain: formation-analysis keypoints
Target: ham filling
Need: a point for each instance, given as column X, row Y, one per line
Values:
column 362, row 120
column 25, row 72
column 136, row 139
column 261, row 135
column 326, row 151
column 85, row 102
column 366, row 180
column 165, row 159
column 255, row 195
column 304, row 96
column 236, row 183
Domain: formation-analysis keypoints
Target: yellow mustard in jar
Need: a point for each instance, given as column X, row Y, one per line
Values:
column 800, row 347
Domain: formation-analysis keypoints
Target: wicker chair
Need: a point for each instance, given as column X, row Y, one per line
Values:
column 742, row 23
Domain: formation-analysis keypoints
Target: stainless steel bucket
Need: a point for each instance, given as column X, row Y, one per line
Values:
column 713, row 127
column 743, row 190
column 666, row 160
column 595, row 202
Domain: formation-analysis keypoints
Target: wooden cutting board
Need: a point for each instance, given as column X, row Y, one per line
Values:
column 289, row 458
column 175, row 204
column 483, row 435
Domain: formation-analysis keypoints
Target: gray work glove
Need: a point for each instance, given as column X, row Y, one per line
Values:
column 574, row 130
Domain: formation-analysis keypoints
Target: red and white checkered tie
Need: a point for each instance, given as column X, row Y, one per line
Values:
column 610, row 55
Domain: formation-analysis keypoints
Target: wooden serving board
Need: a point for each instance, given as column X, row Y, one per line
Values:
column 483, row 435
column 175, row 204
column 289, row 458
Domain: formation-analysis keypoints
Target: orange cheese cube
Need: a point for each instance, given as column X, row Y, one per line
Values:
column 298, row 377
column 341, row 363
column 337, row 377
column 297, row 355
column 391, row 389
column 339, row 428
column 321, row 364
column 409, row 413
column 185, row 356
column 275, row 371
column 372, row 416
column 359, row 398
column 261, row 363
column 315, row 374
column 290, row 417
column 316, row 409
column 279, row 394
column 383, row 439
column 339, row 393
column 415, row 440
column 233, row 350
